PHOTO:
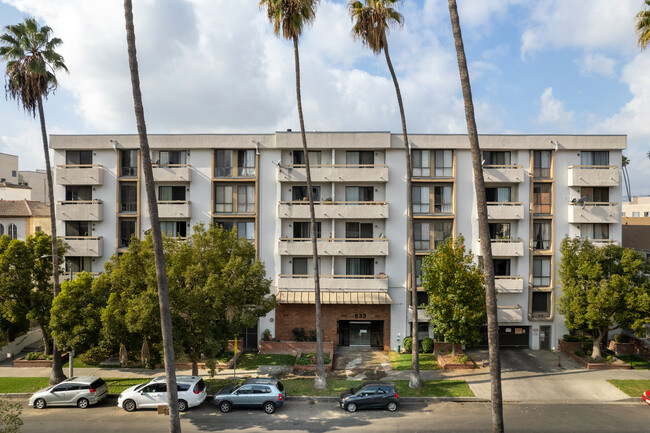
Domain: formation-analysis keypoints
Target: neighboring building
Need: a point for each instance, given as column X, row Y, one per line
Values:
column 539, row 189
column 20, row 184
column 8, row 168
column 639, row 207
column 37, row 181
column 21, row 218
column 636, row 234
column 13, row 191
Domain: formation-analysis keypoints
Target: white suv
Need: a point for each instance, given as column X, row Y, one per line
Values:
column 191, row 393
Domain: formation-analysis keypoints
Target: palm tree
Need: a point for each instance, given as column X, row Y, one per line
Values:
column 161, row 272
column 372, row 19
column 484, row 231
column 31, row 65
column 643, row 28
column 626, row 177
column 289, row 18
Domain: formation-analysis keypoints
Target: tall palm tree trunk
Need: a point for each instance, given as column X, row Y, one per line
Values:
column 484, row 230
column 319, row 382
column 57, row 364
column 414, row 381
column 161, row 272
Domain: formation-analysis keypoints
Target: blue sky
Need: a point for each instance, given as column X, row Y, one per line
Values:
column 548, row 66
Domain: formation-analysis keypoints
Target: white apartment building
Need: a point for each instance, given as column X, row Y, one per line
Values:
column 540, row 188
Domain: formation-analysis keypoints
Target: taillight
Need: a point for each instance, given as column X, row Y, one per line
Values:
column 196, row 391
column 396, row 396
column 279, row 397
column 92, row 390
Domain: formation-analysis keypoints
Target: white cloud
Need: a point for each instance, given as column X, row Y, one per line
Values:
column 596, row 64
column 552, row 111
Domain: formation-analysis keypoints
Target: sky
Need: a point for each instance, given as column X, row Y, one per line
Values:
column 215, row 66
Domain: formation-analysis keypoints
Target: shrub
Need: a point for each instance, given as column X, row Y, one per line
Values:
column 310, row 358
column 569, row 338
column 622, row 338
column 94, row 356
column 408, row 344
column 266, row 335
column 299, row 334
column 464, row 359
column 312, row 335
column 427, row 345
column 211, row 365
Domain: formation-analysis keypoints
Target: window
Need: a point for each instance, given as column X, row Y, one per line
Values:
column 542, row 302
column 304, row 266
column 299, row 157
column 302, row 230
column 359, row 266
column 594, row 231
column 246, row 230
column 594, row 158
column 442, row 199
column 496, row 157
column 501, row 267
column 222, row 163
column 223, row 199
column 418, row 271
column 78, row 193
column 542, row 271
column 646, row 214
column 499, row 230
column 78, row 157
column 246, row 163
column 12, row 231
column 420, row 196
column 423, row 299
column 422, row 236
column 498, row 195
column 357, row 230
column 542, row 198
column 421, row 163
column 359, row 193
column 246, row 199
column 13, row 173
column 541, row 235
column 360, row 157
column 127, row 229
column 443, row 163
column 128, row 198
column 441, row 231
column 174, row 228
column 635, row 214
column 129, row 163
column 2, row 230
column 171, row 193
column 542, row 163
column 166, row 157
column 595, row 194
column 78, row 264
column 299, row 193
column 78, row 228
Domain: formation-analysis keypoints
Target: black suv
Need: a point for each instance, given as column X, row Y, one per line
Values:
column 370, row 395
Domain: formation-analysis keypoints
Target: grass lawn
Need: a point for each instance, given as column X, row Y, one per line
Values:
column 251, row 360
column 79, row 364
column 635, row 362
column 633, row 388
column 402, row 361
column 22, row 384
column 430, row 388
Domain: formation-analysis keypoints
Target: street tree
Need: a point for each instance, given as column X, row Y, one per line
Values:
column 603, row 288
column 372, row 21
column 484, row 230
column 456, row 293
column 32, row 63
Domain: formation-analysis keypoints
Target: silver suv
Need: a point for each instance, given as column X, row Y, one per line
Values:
column 79, row 391
column 265, row 392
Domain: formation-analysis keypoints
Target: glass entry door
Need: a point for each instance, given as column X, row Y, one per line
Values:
column 359, row 333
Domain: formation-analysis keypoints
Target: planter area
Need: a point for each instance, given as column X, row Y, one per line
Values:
column 22, row 362
column 569, row 349
column 312, row 367
column 447, row 362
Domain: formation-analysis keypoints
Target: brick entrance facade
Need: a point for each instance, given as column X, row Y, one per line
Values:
column 290, row 316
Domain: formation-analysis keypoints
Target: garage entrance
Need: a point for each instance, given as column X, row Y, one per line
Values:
column 509, row 336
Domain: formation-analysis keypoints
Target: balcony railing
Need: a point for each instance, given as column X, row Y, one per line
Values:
column 334, row 282
column 334, row 173
column 507, row 284
column 79, row 210
column 334, row 246
column 594, row 212
column 505, row 210
column 334, row 209
column 172, row 172
column 174, row 209
column 503, row 173
column 79, row 174
column 505, row 247
column 512, row 314
column 593, row 175
column 83, row 246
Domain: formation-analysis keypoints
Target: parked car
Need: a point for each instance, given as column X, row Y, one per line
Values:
column 79, row 391
column 370, row 395
column 191, row 393
column 265, row 392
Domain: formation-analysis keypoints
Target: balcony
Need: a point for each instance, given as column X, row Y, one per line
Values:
column 503, row 173
column 505, row 211
column 334, row 173
column 174, row 209
column 511, row 314
column 335, row 282
column 334, row 209
column 505, row 248
column 172, row 173
column 593, row 212
column 509, row 284
column 91, row 210
column 603, row 242
column 69, row 276
column 593, row 175
column 334, row 247
column 83, row 246
column 88, row 174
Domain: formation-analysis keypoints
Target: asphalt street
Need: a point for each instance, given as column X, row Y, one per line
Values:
column 314, row 417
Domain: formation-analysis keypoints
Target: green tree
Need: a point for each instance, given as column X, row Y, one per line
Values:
column 643, row 28
column 10, row 421
column 456, row 293
column 483, row 227
column 32, row 62
column 289, row 17
column 372, row 20
column 602, row 289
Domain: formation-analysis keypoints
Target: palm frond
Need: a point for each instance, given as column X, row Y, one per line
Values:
column 372, row 20
column 643, row 26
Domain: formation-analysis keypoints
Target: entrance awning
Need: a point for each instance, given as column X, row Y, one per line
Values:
column 338, row 297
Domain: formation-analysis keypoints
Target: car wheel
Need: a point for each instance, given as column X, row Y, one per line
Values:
column 351, row 407
column 391, row 406
column 82, row 403
column 40, row 403
column 129, row 406
column 269, row 407
column 182, row 405
column 225, row 406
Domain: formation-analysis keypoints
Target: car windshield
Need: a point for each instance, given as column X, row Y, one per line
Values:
column 236, row 387
column 139, row 387
column 357, row 389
